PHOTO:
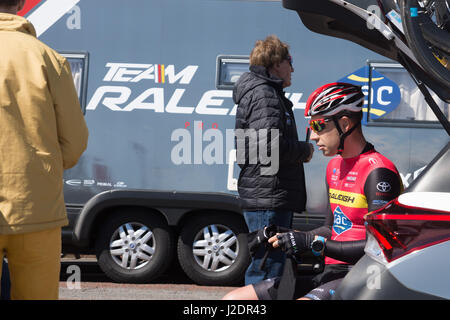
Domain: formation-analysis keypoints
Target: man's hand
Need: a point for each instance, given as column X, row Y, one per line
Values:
column 259, row 237
column 293, row 242
column 311, row 146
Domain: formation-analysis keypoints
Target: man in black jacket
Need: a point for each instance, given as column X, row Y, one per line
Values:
column 271, row 182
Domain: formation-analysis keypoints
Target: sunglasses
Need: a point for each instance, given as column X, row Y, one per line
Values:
column 318, row 125
column 289, row 59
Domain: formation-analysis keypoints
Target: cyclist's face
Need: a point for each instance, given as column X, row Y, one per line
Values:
column 328, row 139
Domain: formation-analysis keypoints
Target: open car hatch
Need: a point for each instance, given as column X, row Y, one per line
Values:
column 369, row 25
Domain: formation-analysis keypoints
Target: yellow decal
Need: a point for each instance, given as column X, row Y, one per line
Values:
column 348, row 199
column 376, row 112
column 354, row 77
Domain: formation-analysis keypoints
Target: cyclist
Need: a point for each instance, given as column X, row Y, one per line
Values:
column 358, row 179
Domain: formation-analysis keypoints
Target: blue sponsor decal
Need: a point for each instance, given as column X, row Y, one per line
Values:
column 379, row 202
column 341, row 222
column 384, row 94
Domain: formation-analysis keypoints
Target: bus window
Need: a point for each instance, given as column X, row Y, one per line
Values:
column 229, row 69
column 409, row 106
column 79, row 64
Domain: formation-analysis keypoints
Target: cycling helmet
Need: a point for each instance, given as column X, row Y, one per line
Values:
column 335, row 100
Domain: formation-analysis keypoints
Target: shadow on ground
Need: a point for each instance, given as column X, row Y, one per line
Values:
column 91, row 272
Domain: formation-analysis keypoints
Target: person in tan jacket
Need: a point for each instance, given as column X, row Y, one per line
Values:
column 42, row 133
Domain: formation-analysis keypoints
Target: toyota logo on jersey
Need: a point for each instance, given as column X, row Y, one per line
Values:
column 383, row 186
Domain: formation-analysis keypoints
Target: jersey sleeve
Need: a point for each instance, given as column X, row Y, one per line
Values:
column 381, row 186
column 347, row 251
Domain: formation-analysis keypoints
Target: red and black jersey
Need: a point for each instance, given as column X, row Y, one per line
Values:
column 357, row 186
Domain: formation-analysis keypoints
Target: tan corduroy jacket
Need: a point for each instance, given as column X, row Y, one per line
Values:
column 42, row 129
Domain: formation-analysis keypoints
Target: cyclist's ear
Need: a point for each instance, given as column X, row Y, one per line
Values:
column 346, row 123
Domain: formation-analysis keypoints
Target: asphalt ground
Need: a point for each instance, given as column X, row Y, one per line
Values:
column 82, row 279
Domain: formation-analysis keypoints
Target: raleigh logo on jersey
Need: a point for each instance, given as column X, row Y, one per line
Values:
column 384, row 93
column 341, row 222
column 348, row 199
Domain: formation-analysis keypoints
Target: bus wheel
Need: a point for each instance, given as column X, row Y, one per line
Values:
column 134, row 247
column 213, row 250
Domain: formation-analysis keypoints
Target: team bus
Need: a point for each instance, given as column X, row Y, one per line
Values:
column 158, row 181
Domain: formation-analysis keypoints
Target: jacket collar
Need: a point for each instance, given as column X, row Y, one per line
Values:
column 261, row 72
column 12, row 22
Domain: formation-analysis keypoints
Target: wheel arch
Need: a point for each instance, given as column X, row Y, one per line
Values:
column 114, row 211
column 195, row 213
column 174, row 207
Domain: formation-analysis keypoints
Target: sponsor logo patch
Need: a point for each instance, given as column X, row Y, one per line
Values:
column 341, row 222
column 383, row 186
column 382, row 95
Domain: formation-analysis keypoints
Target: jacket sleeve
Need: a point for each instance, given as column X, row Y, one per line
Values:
column 267, row 114
column 71, row 126
column 294, row 151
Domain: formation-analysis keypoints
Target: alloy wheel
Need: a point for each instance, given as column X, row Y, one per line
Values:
column 215, row 248
column 132, row 246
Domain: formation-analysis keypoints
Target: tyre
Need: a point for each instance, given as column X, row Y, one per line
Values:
column 213, row 250
column 428, row 36
column 135, row 246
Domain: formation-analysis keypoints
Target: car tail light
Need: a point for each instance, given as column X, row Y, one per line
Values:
column 401, row 229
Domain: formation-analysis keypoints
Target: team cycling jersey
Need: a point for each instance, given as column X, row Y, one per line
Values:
column 357, row 186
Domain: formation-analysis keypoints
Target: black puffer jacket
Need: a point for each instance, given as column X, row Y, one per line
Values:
column 262, row 105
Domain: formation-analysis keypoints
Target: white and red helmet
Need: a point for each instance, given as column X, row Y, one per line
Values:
column 333, row 98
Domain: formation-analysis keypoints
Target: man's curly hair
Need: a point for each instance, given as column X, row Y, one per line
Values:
column 269, row 52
